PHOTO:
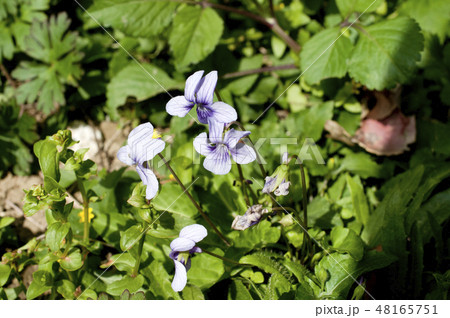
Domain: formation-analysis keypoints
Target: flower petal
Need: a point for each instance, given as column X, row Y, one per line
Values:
column 201, row 144
column 194, row 232
column 215, row 131
column 182, row 244
column 192, row 84
column 147, row 149
column 218, row 161
column 141, row 132
column 204, row 113
column 149, row 179
column 179, row 106
column 180, row 278
column 223, row 112
column 232, row 137
column 269, row 185
column 124, row 155
column 283, row 188
column 205, row 94
column 243, row 154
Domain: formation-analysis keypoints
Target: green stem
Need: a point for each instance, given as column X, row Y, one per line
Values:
column 85, row 210
column 199, row 209
column 140, row 247
column 243, row 184
column 224, row 258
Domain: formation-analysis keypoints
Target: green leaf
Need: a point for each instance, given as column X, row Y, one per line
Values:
column 6, row 42
column 42, row 281
column 432, row 15
column 257, row 236
column 172, row 199
column 238, row 291
column 325, row 55
column 130, row 237
column 347, row 7
column 160, row 281
column 196, row 32
column 206, row 270
column 73, row 261
column 132, row 284
column 5, row 270
column 137, row 18
column 48, row 43
column 47, row 154
column 55, row 235
column 66, row 288
column 386, row 53
column 140, row 81
column 343, row 270
column 266, row 262
column 359, row 200
column 192, row 293
column 347, row 241
column 4, row 222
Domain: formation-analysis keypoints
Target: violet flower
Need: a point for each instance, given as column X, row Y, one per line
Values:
column 200, row 91
column 252, row 216
column 141, row 148
column 218, row 147
column 277, row 182
column 182, row 248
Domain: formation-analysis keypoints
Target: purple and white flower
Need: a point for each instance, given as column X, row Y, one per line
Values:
column 200, row 91
column 218, row 147
column 277, row 182
column 252, row 216
column 182, row 248
column 141, row 148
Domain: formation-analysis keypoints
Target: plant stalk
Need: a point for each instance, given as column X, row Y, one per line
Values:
column 197, row 206
column 243, row 184
column 224, row 258
column 85, row 210
column 140, row 247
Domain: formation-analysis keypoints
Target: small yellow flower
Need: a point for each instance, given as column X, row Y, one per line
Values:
column 81, row 215
column 171, row 177
column 156, row 134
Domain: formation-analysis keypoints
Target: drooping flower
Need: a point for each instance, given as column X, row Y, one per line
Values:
column 251, row 217
column 141, row 148
column 277, row 182
column 182, row 248
column 218, row 147
column 200, row 91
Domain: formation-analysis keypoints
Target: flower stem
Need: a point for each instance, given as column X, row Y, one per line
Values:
column 224, row 258
column 140, row 247
column 243, row 184
column 197, row 206
column 85, row 210
column 258, row 158
column 306, row 239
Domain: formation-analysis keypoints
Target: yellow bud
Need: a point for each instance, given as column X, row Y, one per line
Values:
column 156, row 134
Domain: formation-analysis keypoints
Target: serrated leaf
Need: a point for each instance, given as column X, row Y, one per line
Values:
column 45, row 82
column 196, row 32
column 386, row 53
column 325, row 55
column 432, row 15
column 137, row 18
column 6, row 42
column 135, row 81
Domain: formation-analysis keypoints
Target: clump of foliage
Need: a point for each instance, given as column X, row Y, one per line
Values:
column 339, row 193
